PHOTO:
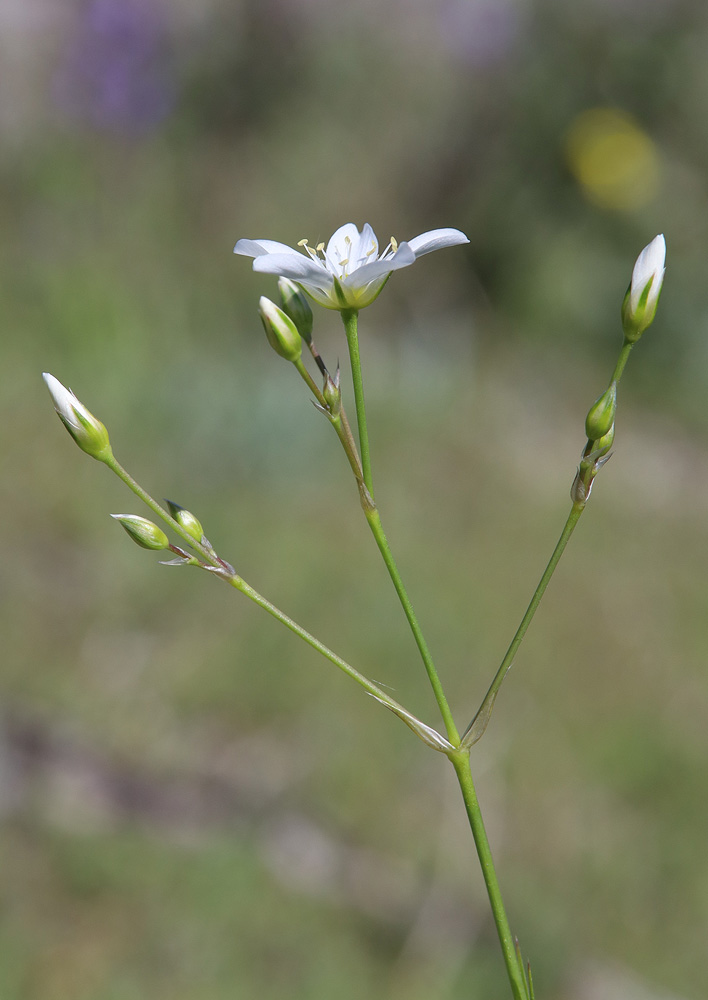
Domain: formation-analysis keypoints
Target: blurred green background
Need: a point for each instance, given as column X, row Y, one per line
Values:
column 193, row 804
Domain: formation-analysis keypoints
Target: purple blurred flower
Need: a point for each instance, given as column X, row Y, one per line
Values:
column 480, row 32
column 115, row 73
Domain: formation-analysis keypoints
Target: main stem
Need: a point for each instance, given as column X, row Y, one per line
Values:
column 374, row 520
column 349, row 318
column 461, row 762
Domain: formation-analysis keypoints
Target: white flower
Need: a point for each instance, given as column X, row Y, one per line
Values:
column 649, row 267
column 349, row 272
column 642, row 296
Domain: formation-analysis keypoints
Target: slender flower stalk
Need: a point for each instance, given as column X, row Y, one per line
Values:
column 350, row 320
column 477, row 726
column 148, row 535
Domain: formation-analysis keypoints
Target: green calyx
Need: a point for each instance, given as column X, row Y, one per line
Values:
column 187, row 520
column 280, row 330
column 297, row 307
column 601, row 415
column 143, row 532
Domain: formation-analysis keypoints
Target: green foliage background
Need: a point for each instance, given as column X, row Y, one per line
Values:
column 193, row 805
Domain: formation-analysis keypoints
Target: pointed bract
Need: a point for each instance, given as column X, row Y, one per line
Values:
column 349, row 272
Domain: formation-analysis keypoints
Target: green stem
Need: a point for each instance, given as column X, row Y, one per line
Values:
column 621, row 361
column 311, row 640
column 339, row 422
column 350, row 320
column 374, row 519
column 461, row 762
column 483, row 713
column 235, row 581
column 165, row 515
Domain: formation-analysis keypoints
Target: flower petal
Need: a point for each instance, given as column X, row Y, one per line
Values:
column 403, row 257
column 316, row 280
column 341, row 243
column 295, row 266
column 365, row 248
column 256, row 248
column 649, row 264
column 436, row 239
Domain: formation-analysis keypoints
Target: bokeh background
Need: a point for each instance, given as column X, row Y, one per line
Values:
column 193, row 804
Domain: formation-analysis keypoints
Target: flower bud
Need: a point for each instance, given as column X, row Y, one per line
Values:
column 142, row 531
column 601, row 415
column 642, row 298
column 602, row 445
column 88, row 432
column 296, row 305
column 187, row 520
column 280, row 330
column 333, row 394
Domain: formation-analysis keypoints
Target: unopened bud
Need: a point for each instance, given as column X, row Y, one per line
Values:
column 187, row 520
column 642, row 298
column 602, row 445
column 142, row 531
column 601, row 415
column 88, row 432
column 296, row 305
column 333, row 394
column 280, row 330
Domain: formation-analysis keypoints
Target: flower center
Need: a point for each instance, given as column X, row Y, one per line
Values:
column 341, row 263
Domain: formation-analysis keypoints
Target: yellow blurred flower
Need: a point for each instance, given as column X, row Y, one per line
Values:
column 613, row 159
